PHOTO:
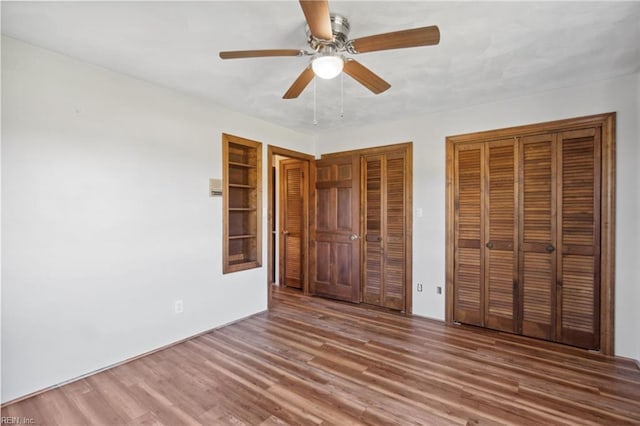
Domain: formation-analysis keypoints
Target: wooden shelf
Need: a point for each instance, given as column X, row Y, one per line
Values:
column 241, row 203
column 240, row 237
column 235, row 164
column 241, row 262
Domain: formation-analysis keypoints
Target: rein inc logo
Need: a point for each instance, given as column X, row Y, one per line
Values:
column 17, row 420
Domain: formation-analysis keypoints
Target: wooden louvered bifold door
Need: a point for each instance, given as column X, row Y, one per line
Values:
column 527, row 235
column 394, row 227
column 292, row 202
column 384, row 229
column 373, row 273
column 537, row 262
column 530, row 236
column 469, row 269
column 500, row 231
column 579, row 244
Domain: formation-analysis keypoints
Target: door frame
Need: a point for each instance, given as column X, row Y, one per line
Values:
column 607, row 210
column 272, row 151
column 408, row 148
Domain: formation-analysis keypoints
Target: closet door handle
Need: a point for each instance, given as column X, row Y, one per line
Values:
column 550, row 248
column 489, row 245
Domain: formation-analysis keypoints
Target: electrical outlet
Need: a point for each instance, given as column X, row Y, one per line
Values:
column 419, row 287
column 438, row 290
column 419, row 212
column 178, row 307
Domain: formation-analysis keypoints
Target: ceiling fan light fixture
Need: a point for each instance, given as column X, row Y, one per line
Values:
column 327, row 66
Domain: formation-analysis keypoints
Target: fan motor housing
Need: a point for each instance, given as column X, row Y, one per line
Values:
column 340, row 29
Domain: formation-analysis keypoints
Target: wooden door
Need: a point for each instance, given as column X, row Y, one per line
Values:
column 335, row 243
column 500, row 235
column 561, row 225
column 293, row 211
column 538, row 243
column 468, row 303
column 578, row 245
column 384, row 271
column 486, row 234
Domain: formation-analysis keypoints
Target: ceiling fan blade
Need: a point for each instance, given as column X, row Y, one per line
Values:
column 237, row 54
column 316, row 12
column 425, row 36
column 365, row 76
column 299, row 85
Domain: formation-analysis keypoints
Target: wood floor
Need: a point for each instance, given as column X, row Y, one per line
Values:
column 313, row 361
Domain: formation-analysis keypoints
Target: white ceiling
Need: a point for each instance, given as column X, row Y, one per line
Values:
column 488, row 51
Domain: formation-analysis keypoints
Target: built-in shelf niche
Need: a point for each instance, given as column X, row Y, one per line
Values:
column 242, row 196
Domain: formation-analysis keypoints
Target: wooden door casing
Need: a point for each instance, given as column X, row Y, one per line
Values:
column 293, row 205
column 335, row 245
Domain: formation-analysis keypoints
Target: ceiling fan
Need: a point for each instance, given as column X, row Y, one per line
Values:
column 327, row 35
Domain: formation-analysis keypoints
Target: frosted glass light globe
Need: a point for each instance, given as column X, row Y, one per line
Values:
column 327, row 67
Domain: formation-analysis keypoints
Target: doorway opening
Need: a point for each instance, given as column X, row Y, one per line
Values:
column 340, row 226
column 288, row 219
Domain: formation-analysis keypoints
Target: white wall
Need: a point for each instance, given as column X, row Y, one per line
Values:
column 428, row 134
column 106, row 220
column 106, row 217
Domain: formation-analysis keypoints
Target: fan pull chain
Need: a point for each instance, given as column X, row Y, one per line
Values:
column 315, row 117
column 341, row 95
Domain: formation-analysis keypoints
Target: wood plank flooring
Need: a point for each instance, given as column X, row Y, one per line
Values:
column 314, row 361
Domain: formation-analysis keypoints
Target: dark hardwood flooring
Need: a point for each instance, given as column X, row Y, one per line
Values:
column 314, row 361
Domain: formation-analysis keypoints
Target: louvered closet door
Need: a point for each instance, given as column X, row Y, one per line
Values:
column 500, row 235
column 468, row 268
column 538, row 236
column 384, row 237
column 526, row 209
column 394, row 227
column 578, row 248
column 373, row 230
column 292, row 203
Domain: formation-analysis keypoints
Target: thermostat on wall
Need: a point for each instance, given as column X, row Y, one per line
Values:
column 215, row 187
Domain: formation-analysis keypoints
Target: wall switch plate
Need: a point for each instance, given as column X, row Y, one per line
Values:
column 419, row 287
column 178, row 307
column 438, row 290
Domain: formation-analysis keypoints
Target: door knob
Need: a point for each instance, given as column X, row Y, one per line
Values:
column 353, row 237
column 489, row 245
column 550, row 248
column 285, row 232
